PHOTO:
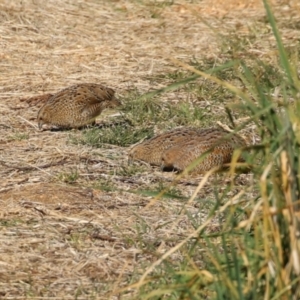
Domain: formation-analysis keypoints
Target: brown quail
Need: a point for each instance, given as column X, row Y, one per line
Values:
column 77, row 105
column 151, row 150
column 180, row 147
column 218, row 143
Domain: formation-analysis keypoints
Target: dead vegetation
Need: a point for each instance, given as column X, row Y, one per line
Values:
column 75, row 220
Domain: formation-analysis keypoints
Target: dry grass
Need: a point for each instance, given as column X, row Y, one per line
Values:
column 73, row 222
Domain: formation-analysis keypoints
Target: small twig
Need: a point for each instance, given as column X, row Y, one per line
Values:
column 103, row 237
column 30, row 167
column 28, row 122
column 126, row 204
column 5, row 126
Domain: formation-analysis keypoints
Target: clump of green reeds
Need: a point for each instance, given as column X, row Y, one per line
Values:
column 255, row 253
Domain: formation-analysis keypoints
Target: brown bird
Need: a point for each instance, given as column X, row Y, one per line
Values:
column 186, row 145
column 77, row 105
column 218, row 145
column 151, row 150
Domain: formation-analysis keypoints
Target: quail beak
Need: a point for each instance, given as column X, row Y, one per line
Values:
column 40, row 124
column 116, row 102
column 162, row 164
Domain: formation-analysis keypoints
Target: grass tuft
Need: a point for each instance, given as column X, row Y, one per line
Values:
column 117, row 135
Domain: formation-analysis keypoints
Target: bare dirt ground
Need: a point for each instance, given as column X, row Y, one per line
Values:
column 61, row 240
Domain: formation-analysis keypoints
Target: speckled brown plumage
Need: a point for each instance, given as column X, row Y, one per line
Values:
column 77, row 105
column 214, row 140
column 179, row 148
column 151, row 150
